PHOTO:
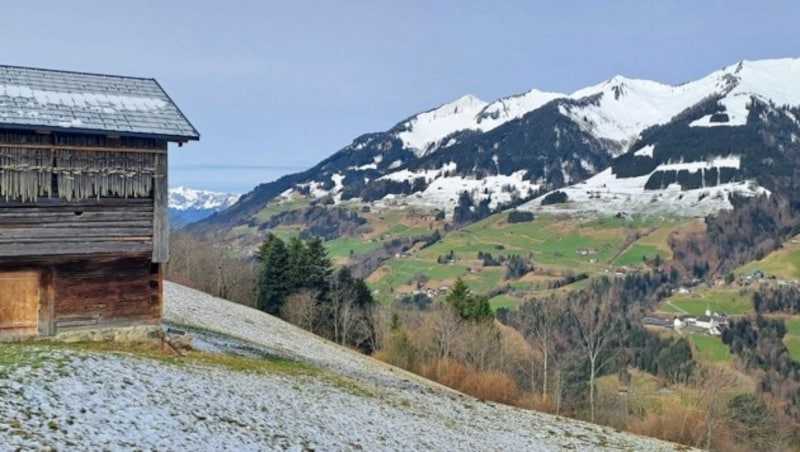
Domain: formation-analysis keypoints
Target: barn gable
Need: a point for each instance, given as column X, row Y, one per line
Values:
column 83, row 199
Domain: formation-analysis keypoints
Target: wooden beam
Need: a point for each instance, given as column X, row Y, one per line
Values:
column 88, row 233
column 36, row 262
column 57, row 147
column 89, row 204
column 160, row 213
column 60, row 247
column 47, row 300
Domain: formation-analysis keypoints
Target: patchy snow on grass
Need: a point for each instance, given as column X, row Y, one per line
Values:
column 443, row 192
column 606, row 194
column 68, row 398
column 428, row 175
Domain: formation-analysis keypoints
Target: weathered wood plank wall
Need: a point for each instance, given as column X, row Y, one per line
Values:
column 59, row 227
column 93, row 292
column 105, row 292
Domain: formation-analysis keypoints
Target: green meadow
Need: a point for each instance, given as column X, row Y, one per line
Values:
column 792, row 338
column 731, row 301
column 710, row 348
column 557, row 247
column 503, row 301
column 344, row 248
column 276, row 207
column 636, row 254
column 783, row 263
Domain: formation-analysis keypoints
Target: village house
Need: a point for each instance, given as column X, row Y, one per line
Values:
column 711, row 323
column 656, row 321
column 83, row 202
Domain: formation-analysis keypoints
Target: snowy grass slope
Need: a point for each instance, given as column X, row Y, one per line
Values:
column 67, row 398
column 443, row 191
column 607, row 194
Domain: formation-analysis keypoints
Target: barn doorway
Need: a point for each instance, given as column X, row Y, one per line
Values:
column 19, row 303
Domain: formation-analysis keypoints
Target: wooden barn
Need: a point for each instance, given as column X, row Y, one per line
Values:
column 83, row 200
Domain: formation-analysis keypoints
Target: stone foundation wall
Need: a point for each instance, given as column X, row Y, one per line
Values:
column 140, row 333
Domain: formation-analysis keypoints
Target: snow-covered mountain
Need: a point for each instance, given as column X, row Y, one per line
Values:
column 183, row 198
column 519, row 147
column 188, row 205
column 621, row 107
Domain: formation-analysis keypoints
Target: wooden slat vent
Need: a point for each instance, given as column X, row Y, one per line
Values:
column 29, row 174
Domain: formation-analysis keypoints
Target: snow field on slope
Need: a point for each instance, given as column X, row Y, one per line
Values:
column 640, row 104
column 405, row 412
column 431, row 126
column 468, row 113
column 508, row 108
column 76, row 399
column 443, row 192
column 605, row 194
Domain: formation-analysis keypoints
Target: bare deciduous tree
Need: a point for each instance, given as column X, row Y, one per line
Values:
column 478, row 346
column 541, row 321
column 211, row 269
column 596, row 320
column 445, row 326
column 301, row 309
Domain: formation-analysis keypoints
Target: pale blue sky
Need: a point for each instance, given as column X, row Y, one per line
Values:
column 274, row 87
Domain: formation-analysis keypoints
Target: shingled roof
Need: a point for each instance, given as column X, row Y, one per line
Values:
column 43, row 99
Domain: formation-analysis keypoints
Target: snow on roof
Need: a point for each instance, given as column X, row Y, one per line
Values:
column 91, row 103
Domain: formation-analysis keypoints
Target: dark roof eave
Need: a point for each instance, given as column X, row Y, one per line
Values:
column 105, row 132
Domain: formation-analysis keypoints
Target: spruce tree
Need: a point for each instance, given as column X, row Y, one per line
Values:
column 318, row 266
column 468, row 306
column 273, row 285
column 296, row 272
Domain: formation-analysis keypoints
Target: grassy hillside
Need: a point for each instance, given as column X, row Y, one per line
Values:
column 730, row 300
column 557, row 247
column 784, row 263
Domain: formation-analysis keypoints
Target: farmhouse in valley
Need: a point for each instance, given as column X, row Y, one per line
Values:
column 83, row 200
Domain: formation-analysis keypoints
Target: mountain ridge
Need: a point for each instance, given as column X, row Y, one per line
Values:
column 188, row 205
column 543, row 141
